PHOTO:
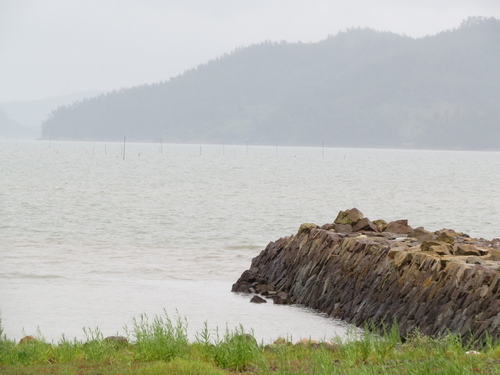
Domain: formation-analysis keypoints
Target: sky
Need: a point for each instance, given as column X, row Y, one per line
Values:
column 50, row 48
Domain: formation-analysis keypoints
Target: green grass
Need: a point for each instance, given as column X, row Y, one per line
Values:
column 161, row 346
column 159, row 340
column 236, row 350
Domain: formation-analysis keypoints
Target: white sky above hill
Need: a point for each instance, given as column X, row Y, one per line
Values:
column 56, row 47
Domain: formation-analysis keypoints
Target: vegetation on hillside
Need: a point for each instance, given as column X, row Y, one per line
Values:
column 358, row 88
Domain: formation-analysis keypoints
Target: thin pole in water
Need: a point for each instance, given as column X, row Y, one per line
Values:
column 124, row 138
column 161, row 146
column 247, row 145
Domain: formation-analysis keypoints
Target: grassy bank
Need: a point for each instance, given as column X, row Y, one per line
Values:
column 161, row 346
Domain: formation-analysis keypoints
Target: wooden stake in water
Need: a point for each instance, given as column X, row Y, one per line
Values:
column 124, row 138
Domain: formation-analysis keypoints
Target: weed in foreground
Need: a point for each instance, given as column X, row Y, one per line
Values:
column 161, row 339
column 161, row 346
column 236, row 350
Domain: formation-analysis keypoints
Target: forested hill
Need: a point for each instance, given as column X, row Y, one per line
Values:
column 359, row 88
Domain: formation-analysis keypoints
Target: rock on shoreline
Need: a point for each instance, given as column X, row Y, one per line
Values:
column 360, row 270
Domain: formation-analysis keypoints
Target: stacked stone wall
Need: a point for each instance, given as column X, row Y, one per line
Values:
column 434, row 282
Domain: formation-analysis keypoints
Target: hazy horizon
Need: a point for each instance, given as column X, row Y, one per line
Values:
column 55, row 48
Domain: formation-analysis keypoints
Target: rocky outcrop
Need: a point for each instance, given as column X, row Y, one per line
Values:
column 257, row 299
column 28, row 340
column 385, row 272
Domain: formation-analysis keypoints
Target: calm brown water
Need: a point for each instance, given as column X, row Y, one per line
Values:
column 88, row 239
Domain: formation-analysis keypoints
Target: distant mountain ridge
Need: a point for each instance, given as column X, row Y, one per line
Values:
column 359, row 88
column 31, row 113
column 10, row 128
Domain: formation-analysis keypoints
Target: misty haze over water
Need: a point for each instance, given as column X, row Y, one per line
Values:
column 95, row 233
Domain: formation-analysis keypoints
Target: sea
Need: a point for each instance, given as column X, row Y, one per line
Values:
column 94, row 235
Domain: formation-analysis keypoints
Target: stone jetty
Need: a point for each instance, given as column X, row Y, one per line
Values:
column 360, row 271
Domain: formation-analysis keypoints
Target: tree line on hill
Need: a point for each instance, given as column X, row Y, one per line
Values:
column 358, row 88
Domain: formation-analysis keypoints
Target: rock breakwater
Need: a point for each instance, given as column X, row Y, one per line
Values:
column 360, row 270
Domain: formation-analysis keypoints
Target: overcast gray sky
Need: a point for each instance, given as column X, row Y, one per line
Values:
column 57, row 47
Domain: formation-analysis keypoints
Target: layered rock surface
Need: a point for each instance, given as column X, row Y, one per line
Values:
column 359, row 271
